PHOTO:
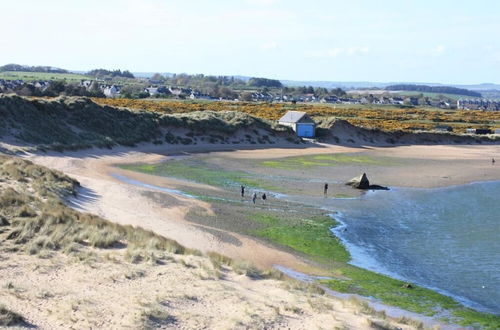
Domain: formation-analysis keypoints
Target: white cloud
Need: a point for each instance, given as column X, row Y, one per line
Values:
column 270, row 45
column 263, row 2
column 439, row 49
column 334, row 52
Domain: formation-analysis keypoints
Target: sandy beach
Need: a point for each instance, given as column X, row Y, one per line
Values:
column 188, row 286
column 424, row 166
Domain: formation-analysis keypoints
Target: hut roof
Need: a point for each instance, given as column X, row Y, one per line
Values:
column 295, row 117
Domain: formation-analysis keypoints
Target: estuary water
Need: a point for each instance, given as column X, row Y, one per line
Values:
column 447, row 239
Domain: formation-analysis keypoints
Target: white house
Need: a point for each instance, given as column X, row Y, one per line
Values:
column 300, row 122
column 111, row 91
column 152, row 91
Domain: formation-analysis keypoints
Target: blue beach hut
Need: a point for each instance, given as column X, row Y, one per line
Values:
column 300, row 122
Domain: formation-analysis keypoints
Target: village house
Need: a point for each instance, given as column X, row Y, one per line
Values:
column 478, row 104
column 478, row 131
column 300, row 122
column 196, row 95
column 111, row 91
column 152, row 91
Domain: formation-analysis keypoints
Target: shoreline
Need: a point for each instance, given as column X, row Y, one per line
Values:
column 353, row 249
column 94, row 168
column 375, row 266
column 360, row 257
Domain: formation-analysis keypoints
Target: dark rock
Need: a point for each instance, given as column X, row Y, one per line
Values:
column 360, row 182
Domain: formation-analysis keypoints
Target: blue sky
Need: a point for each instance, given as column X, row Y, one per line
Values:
column 356, row 40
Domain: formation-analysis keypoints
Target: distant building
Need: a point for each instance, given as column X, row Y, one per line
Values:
column 478, row 131
column 443, row 128
column 152, row 91
column 300, row 122
column 195, row 95
column 478, row 104
column 111, row 91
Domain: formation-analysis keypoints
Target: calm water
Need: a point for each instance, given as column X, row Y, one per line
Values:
column 447, row 239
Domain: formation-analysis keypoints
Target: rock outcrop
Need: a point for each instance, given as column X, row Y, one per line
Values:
column 359, row 182
column 362, row 182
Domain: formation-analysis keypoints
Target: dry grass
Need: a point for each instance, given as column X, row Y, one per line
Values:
column 36, row 220
column 70, row 123
column 156, row 317
column 9, row 318
column 409, row 321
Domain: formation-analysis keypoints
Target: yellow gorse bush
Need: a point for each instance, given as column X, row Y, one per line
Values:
column 388, row 118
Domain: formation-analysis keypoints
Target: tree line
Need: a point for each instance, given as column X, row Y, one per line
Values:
column 103, row 73
column 433, row 89
column 26, row 68
column 56, row 88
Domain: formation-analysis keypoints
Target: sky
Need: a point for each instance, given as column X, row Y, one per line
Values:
column 317, row 40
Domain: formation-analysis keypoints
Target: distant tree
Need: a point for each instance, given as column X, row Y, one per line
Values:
column 27, row 68
column 338, row 92
column 227, row 93
column 55, row 88
column 133, row 91
column 264, row 82
column 157, row 78
column 95, row 90
column 246, row 96
column 103, row 73
column 433, row 89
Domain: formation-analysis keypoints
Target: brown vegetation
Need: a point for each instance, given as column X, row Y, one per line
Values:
column 386, row 118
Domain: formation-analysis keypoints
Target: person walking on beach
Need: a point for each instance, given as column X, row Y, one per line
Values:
column 264, row 197
column 254, row 197
column 325, row 189
column 242, row 191
column 493, row 160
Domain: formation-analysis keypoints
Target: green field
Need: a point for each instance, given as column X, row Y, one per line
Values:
column 31, row 76
column 435, row 95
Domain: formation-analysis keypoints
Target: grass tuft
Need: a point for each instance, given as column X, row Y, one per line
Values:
column 9, row 318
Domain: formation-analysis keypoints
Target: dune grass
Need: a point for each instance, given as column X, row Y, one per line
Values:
column 34, row 220
column 71, row 123
column 9, row 318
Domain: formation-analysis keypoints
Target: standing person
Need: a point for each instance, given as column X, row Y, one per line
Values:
column 264, row 197
column 493, row 160
column 242, row 191
column 254, row 197
column 325, row 189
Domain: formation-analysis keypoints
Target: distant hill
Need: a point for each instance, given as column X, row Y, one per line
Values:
column 433, row 89
column 382, row 85
column 27, row 68
column 346, row 85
